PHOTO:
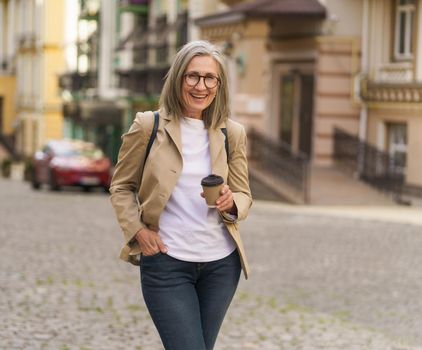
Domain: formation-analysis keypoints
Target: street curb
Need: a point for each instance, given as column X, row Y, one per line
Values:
column 402, row 215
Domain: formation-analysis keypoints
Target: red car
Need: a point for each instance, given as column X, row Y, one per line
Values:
column 71, row 163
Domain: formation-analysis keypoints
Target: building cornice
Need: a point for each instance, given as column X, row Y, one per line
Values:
column 391, row 93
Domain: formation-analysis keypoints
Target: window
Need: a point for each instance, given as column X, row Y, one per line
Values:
column 296, row 109
column 287, row 109
column 404, row 30
column 397, row 145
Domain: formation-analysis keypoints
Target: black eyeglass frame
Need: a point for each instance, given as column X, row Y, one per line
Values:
column 199, row 79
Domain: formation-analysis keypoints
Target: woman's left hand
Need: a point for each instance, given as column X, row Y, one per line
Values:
column 225, row 201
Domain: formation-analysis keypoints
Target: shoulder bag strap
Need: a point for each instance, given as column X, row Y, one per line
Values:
column 226, row 142
column 153, row 135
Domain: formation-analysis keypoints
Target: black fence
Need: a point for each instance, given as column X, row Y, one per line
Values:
column 277, row 159
column 8, row 142
column 366, row 162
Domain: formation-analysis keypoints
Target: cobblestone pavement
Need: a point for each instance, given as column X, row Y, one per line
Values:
column 318, row 282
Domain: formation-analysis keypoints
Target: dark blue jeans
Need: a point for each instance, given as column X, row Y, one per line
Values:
column 188, row 301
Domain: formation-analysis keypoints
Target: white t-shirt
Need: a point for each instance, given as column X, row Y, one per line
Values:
column 190, row 230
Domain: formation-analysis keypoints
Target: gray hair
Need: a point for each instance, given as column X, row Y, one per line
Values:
column 171, row 99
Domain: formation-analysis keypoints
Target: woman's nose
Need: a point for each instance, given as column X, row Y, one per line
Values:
column 201, row 84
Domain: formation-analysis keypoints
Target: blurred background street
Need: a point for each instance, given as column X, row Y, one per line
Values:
column 330, row 94
column 320, row 280
column 331, row 104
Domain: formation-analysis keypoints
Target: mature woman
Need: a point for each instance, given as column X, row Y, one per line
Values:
column 190, row 255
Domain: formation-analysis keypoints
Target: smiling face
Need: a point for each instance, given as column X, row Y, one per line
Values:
column 199, row 97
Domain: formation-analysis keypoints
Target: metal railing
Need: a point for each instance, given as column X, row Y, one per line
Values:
column 8, row 143
column 75, row 81
column 140, row 55
column 277, row 159
column 375, row 167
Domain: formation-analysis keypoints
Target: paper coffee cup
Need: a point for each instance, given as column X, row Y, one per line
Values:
column 212, row 185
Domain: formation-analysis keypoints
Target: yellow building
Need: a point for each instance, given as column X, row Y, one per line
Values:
column 7, row 113
column 7, row 87
column 34, row 36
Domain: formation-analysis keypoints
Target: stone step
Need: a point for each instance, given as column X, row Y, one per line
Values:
column 329, row 186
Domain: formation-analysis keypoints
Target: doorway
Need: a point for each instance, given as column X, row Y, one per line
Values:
column 397, row 146
column 1, row 115
column 295, row 106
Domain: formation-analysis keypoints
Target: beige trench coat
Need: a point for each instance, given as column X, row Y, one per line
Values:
column 139, row 199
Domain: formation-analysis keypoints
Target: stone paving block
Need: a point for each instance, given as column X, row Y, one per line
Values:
column 318, row 282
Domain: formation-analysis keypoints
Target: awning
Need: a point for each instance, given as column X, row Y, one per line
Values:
column 266, row 9
column 94, row 112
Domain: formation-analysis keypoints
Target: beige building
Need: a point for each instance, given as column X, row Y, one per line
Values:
column 301, row 69
column 390, row 83
column 34, row 53
column 293, row 68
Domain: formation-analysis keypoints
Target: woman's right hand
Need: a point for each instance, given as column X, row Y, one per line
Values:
column 150, row 242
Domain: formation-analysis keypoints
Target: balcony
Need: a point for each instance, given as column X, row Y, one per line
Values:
column 134, row 6
column 396, row 72
column 142, row 81
column 374, row 91
column 136, row 82
column 75, row 81
column 162, row 54
column 140, row 56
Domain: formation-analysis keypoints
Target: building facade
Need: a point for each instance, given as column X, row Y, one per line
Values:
column 301, row 69
column 32, row 53
column 390, row 82
column 123, row 50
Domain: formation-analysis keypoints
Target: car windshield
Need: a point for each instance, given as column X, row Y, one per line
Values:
column 83, row 150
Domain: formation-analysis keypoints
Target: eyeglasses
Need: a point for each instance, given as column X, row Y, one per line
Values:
column 210, row 81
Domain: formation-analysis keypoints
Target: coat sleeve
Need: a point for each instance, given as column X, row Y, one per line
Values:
column 127, row 178
column 238, row 178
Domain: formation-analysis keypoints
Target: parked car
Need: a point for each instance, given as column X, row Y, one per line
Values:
column 71, row 163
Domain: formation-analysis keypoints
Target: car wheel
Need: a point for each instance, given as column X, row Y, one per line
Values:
column 87, row 188
column 53, row 182
column 34, row 183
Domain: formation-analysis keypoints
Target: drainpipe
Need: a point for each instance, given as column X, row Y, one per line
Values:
column 3, row 24
column 363, row 120
column 107, row 40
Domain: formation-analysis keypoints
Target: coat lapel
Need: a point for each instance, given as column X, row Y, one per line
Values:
column 172, row 127
column 217, row 139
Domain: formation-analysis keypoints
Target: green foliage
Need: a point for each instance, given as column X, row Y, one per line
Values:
column 28, row 168
column 6, row 167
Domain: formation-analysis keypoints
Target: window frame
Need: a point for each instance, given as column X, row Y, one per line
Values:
column 393, row 147
column 410, row 13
